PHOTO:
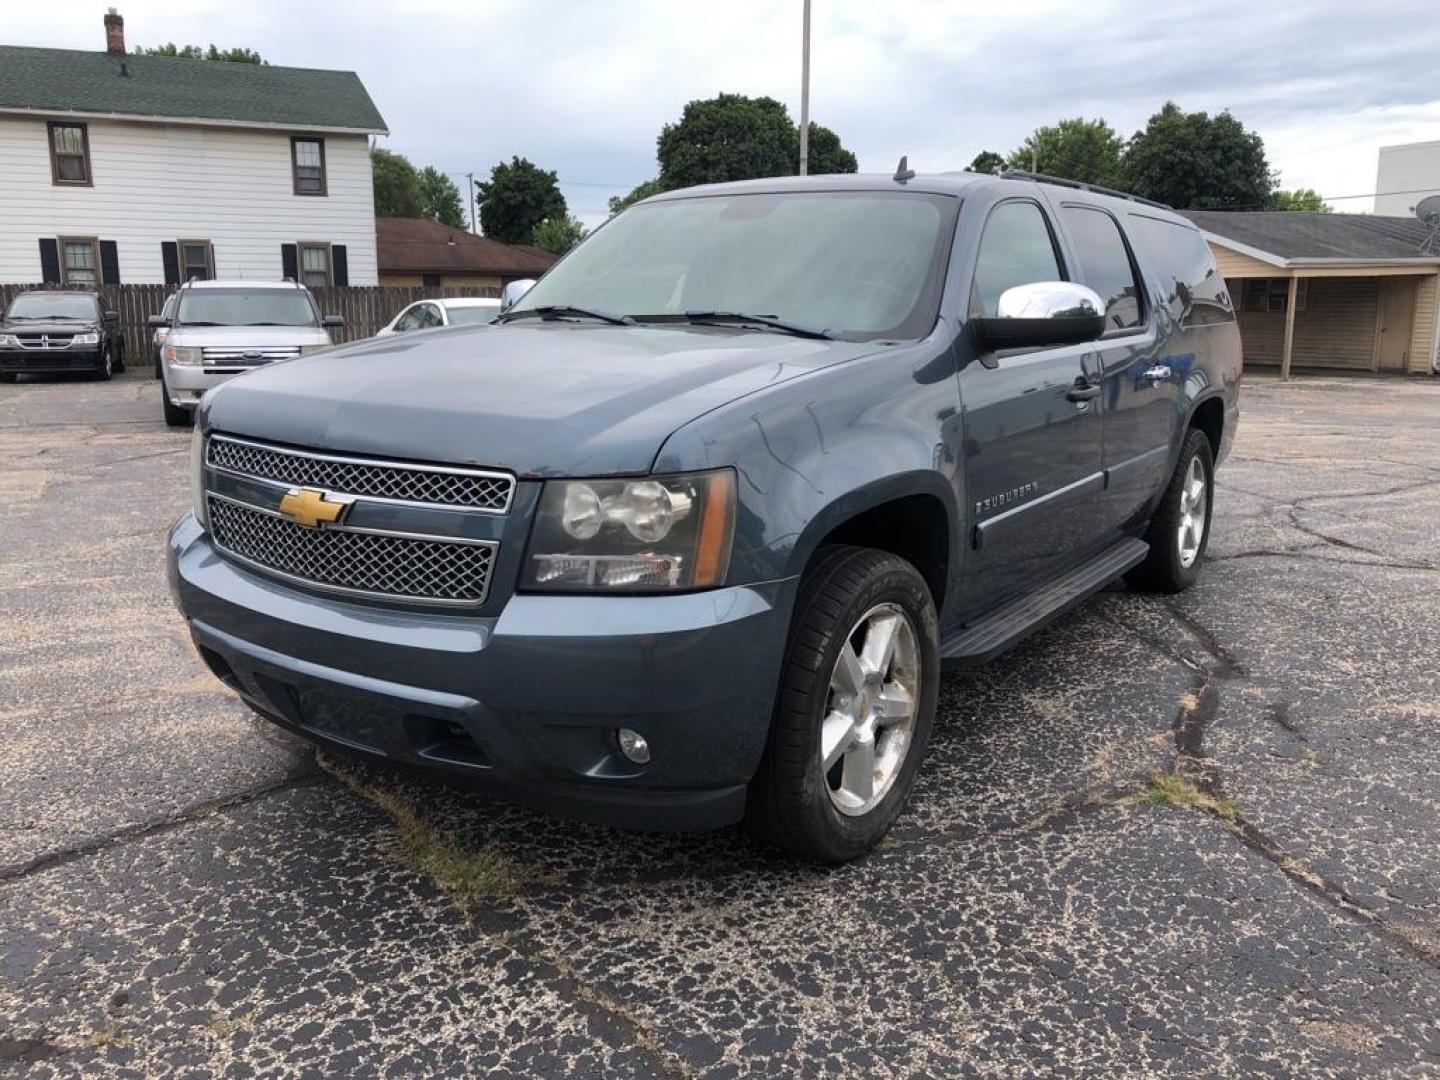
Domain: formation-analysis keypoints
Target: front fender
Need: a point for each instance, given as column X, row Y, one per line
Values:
column 815, row 451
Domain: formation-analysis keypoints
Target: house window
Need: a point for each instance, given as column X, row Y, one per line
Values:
column 79, row 262
column 197, row 260
column 1270, row 294
column 315, row 265
column 69, row 154
column 307, row 159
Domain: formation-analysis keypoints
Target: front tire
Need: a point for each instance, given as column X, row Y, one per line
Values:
column 175, row 415
column 1180, row 530
column 855, row 707
column 107, row 364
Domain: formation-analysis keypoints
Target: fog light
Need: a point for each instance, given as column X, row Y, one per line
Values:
column 633, row 745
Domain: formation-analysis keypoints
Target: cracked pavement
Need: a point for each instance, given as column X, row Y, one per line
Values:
column 184, row 891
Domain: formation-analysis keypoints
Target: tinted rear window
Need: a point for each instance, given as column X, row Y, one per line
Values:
column 1105, row 264
column 1194, row 291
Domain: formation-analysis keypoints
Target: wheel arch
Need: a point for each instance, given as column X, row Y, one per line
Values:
column 912, row 515
column 1207, row 414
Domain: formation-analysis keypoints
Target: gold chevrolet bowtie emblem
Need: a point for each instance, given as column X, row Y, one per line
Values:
column 312, row 508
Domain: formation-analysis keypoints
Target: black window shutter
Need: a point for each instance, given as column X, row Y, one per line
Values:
column 49, row 261
column 339, row 264
column 170, row 256
column 109, row 263
column 289, row 262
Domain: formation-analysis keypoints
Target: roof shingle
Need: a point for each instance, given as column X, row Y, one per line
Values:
column 418, row 245
column 74, row 81
column 1300, row 235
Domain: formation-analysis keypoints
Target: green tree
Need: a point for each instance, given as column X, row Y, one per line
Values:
column 825, row 152
column 1194, row 161
column 517, row 197
column 1299, row 199
column 194, row 52
column 440, row 198
column 635, row 194
column 727, row 137
column 988, row 161
column 1075, row 149
column 558, row 235
column 397, row 185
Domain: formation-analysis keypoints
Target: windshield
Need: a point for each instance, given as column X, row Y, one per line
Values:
column 245, row 307
column 863, row 265
column 41, row 306
column 468, row 316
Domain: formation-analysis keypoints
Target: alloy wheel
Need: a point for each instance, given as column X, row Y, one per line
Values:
column 871, row 710
column 1194, row 499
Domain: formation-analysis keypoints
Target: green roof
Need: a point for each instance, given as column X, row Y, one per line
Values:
column 72, row 81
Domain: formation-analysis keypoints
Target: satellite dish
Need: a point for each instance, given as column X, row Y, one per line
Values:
column 1428, row 209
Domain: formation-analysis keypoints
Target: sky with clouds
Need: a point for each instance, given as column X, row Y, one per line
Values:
column 583, row 86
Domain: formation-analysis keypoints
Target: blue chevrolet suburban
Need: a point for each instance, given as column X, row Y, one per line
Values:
column 686, row 537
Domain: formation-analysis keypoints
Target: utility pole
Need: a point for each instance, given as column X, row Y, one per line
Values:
column 470, row 179
column 805, row 94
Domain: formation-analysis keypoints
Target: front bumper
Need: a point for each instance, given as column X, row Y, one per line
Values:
column 185, row 384
column 527, row 701
column 49, row 361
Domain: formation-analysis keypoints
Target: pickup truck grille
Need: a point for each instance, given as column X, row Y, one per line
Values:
column 427, row 485
column 387, row 565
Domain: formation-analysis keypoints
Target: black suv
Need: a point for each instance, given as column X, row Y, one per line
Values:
column 46, row 332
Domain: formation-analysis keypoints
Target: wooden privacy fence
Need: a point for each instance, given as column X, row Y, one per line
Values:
column 365, row 308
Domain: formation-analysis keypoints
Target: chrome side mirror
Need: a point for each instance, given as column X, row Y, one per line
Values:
column 1043, row 313
column 513, row 291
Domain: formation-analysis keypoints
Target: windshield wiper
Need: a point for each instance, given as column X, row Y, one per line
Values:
column 556, row 311
column 770, row 322
column 202, row 323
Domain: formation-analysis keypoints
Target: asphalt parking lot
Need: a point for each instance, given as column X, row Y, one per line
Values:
column 1197, row 835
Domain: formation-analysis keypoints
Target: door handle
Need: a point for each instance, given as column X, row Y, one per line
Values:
column 1082, row 391
column 1158, row 373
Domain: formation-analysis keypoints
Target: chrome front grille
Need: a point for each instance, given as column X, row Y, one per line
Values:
column 428, row 485
column 358, row 561
column 44, row 341
column 246, row 356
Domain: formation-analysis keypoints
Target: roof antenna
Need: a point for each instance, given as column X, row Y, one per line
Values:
column 903, row 172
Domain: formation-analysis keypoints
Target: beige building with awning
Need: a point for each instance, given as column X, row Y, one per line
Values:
column 1352, row 292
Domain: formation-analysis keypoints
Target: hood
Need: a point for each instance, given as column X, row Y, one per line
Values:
column 539, row 399
column 254, row 336
column 65, row 327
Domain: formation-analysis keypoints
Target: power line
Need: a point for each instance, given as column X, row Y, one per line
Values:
column 1376, row 194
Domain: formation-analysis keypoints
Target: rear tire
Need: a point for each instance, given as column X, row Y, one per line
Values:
column 7, row 376
column 870, row 715
column 120, row 356
column 1176, row 550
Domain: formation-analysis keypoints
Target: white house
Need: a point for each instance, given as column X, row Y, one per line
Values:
column 1406, row 174
column 122, row 169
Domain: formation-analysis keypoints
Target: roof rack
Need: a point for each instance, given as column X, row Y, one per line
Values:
column 1096, row 189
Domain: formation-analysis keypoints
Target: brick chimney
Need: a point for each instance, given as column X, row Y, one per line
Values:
column 114, row 33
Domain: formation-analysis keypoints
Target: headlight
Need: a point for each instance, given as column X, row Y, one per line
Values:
column 306, row 350
column 652, row 534
column 9, row 341
column 183, row 354
column 85, row 339
column 197, row 476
